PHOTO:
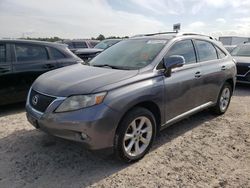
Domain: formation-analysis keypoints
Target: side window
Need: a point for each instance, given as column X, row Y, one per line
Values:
column 184, row 48
column 26, row 52
column 80, row 45
column 206, row 50
column 220, row 53
column 56, row 54
column 2, row 53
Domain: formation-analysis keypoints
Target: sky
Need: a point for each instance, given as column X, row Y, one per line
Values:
column 89, row 18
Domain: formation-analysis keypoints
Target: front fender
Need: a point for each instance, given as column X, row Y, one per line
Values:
column 124, row 98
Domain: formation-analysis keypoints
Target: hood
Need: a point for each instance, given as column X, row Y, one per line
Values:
column 88, row 51
column 79, row 79
column 239, row 59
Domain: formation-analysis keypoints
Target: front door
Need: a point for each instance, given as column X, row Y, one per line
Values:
column 183, row 87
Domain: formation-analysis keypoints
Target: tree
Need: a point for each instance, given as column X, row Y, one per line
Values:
column 100, row 37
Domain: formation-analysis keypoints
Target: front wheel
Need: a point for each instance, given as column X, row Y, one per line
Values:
column 135, row 135
column 223, row 99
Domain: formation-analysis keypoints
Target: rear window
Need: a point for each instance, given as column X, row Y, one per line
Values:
column 243, row 50
column 2, row 53
column 80, row 45
column 27, row 52
column 56, row 54
column 206, row 50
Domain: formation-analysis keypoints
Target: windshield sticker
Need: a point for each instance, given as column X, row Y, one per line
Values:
column 156, row 42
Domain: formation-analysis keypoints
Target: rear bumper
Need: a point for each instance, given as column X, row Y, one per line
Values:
column 97, row 124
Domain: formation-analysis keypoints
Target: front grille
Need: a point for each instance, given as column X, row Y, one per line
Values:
column 242, row 69
column 39, row 101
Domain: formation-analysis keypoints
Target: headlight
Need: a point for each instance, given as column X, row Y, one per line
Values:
column 80, row 101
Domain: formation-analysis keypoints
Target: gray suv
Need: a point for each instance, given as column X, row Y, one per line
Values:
column 133, row 90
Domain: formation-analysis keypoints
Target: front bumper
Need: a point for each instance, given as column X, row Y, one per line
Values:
column 243, row 73
column 98, row 123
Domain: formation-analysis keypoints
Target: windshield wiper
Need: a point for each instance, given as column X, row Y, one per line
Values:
column 111, row 66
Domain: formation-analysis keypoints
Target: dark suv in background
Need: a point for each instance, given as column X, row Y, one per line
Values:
column 22, row 61
column 132, row 90
column 77, row 44
column 89, row 53
column 241, row 54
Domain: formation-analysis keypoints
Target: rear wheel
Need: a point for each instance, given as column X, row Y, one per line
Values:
column 135, row 135
column 223, row 99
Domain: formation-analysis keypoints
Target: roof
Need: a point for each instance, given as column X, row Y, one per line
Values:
column 32, row 42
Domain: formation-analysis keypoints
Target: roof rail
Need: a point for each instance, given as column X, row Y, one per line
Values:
column 152, row 34
column 212, row 38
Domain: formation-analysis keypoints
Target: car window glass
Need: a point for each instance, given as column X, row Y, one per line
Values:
column 242, row 50
column 2, row 53
column 206, row 50
column 26, row 52
column 221, row 54
column 130, row 54
column 93, row 43
column 70, row 45
column 184, row 48
column 56, row 54
column 80, row 45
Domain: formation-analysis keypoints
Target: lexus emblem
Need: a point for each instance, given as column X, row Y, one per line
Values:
column 35, row 100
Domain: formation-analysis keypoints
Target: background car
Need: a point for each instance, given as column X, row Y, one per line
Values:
column 87, row 54
column 230, row 48
column 22, row 61
column 241, row 55
column 77, row 44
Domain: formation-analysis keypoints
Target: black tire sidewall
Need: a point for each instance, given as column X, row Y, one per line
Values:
column 226, row 85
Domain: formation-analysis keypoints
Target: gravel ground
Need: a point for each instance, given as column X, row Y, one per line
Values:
column 201, row 151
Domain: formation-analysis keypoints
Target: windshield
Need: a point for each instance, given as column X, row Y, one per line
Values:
column 106, row 44
column 130, row 54
column 243, row 50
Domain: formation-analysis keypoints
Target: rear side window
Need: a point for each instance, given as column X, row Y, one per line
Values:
column 80, row 45
column 2, row 53
column 206, row 50
column 220, row 53
column 184, row 48
column 26, row 52
column 56, row 54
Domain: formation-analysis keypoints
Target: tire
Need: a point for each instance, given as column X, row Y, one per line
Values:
column 140, row 127
column 223, row 100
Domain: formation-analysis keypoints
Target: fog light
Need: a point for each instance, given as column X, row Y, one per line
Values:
column 84, row 136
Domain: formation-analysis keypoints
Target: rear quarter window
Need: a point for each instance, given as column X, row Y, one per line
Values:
column 56, row 54
column 27, row 52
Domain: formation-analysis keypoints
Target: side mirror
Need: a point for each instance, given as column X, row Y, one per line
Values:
column 172, row 62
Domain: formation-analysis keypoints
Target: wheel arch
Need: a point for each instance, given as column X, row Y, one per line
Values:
column 149, row 105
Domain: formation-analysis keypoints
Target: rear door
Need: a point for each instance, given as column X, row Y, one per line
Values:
column 211, row 60
column 183, row 88
column 7, row 80
column 31, row 60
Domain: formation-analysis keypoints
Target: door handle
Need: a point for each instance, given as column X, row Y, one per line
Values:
column 223, row 67
column 197, row 74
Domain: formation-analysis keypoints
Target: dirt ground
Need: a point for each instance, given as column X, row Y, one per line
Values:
column 201, row 151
